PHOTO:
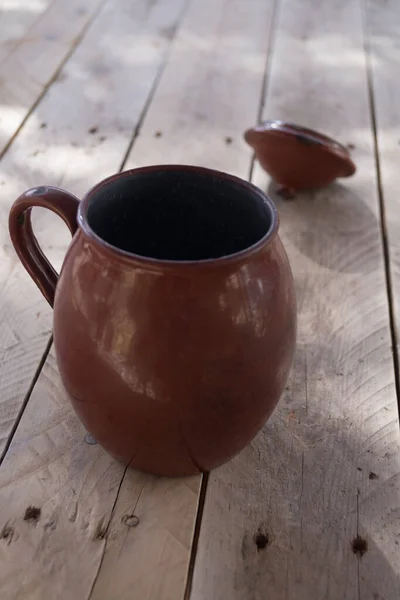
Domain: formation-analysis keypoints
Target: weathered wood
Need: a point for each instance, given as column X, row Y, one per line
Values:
column 55, row 553
column 44, row 463
column 210, row 90
column 383, row 38
column 281, row 519
column 101, row 89
column 58, row 552
column 16, row 19
column 29, row 66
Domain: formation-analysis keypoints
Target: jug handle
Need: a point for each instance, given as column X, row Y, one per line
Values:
column 64, row 205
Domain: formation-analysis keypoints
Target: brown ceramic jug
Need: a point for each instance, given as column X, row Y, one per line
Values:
column 174, row 313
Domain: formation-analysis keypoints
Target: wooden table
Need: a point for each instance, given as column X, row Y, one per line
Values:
column 311, row 509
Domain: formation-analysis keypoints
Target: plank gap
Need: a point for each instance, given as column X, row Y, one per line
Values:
column 265, row 79
column 196, row 536
column 153, row 89
column 107, row 528
column 77, row 41
column 26, row 400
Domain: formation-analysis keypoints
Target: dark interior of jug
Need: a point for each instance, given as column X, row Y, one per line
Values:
column 178, row 214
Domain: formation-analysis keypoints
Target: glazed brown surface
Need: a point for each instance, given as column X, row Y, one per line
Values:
column 173, row 367
column 299, row 158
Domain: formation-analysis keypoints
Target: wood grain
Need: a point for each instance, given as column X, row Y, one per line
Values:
column 28, row 65
column 16, row 19
column 90, row 115
column 149, row 558
column 281, row 519
column 72, row 484
column 383, row 38
column 210, row 89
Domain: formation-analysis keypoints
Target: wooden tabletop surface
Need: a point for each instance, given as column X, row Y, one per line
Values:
column 311, row 509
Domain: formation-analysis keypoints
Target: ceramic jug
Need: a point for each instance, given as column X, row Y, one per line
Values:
column 174, row 312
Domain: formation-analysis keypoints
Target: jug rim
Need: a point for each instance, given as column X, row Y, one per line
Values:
column 84, row 225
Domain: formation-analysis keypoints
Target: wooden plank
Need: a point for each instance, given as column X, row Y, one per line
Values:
column 382, row 28
column 99, row 88
column 16, row 19
column 90, row 116
column 71, row 483
column 382, row 25
column 281, row 519
column 34, row 60
column 210, row 89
